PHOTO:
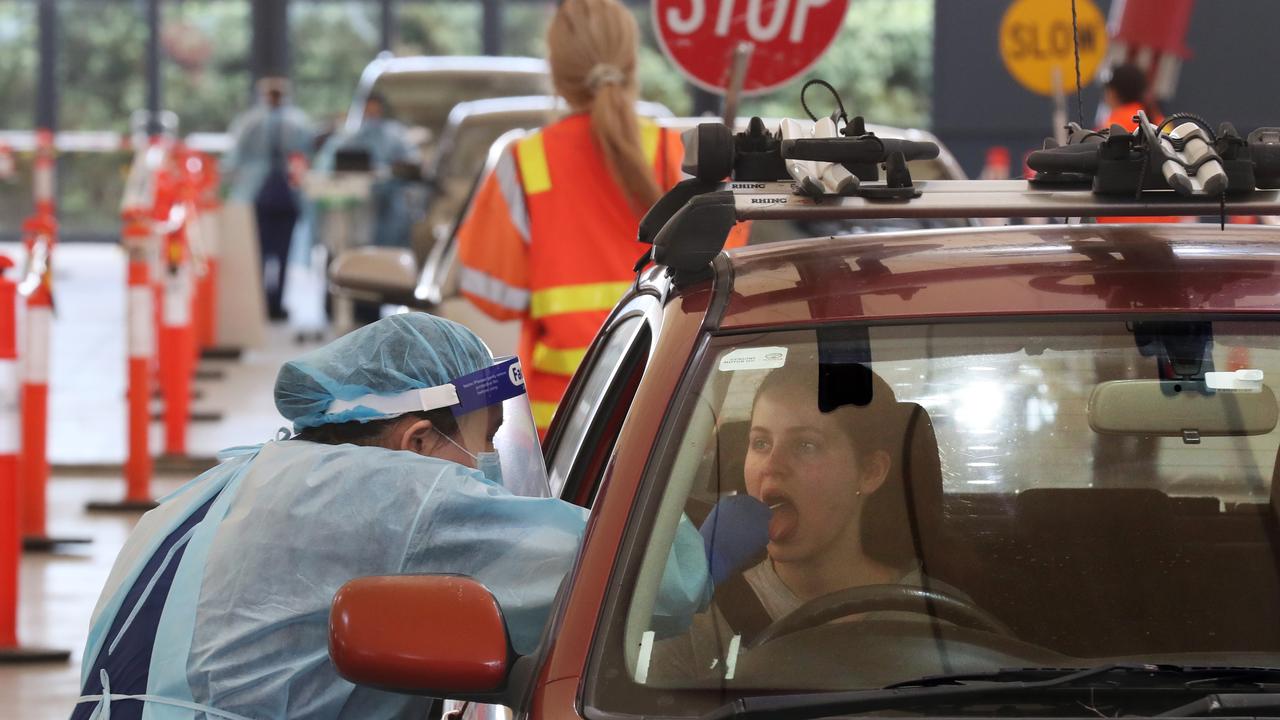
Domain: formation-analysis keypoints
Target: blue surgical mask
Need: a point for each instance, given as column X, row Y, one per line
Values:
column 489, row 463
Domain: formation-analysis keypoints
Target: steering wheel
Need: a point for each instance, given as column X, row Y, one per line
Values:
column 884, row 598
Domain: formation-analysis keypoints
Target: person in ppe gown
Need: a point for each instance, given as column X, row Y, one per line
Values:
column 387, row 142
column 257, row 172
column 414, row 452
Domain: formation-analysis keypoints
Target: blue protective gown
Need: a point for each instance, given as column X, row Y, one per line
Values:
column 387, row 143
column 218, row 605
column 246, row 165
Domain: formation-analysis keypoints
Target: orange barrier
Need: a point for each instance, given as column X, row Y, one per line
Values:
column 137, row 237
column 10, row 490
column 140, row 331
column 206, row 182
column 39, row 234
column 10, row 487
column 177, row 341
column 34, row 462
column 163, row 199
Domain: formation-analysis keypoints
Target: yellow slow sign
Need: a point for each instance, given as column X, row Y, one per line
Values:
column 1036, row 43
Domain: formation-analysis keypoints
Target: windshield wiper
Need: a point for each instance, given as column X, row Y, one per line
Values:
column 1189, row 676
column 1023, row 684
column 1228, row 704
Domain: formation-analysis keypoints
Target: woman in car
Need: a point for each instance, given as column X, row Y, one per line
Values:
column 850, row 478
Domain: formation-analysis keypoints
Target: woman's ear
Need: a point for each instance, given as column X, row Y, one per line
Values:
column 873, row 471
column 418, row 437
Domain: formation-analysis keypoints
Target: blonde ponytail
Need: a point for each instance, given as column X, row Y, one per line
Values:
column 592, row 48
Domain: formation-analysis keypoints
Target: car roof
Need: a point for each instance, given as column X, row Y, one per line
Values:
column 1019, row 270
column 533, row 104
column 406, row 68
column 451, row 64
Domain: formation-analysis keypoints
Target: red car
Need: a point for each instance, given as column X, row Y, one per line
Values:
column 984, row 471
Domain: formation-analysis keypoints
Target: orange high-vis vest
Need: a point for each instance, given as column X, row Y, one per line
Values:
column 1124, row 117
column 551, row 239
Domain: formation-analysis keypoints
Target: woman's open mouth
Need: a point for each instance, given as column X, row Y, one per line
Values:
column 785, row 518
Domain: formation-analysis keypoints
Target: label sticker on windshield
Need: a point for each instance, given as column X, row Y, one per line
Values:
column 1247, row 380
column 762, row 358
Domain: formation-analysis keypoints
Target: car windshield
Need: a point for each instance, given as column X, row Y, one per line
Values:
column 463, row 148
column 885, row 503
column 425, row 99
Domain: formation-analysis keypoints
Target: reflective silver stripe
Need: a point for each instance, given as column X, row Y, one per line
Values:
column 508, row 176
column 494, row 290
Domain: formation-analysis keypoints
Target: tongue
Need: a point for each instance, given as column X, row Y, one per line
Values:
column 782, row 524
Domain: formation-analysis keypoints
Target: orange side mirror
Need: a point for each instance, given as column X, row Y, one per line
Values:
column 439, row 635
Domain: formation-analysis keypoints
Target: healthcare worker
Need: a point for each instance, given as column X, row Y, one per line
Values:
column 414, row 452
column 551, row 237
column 387, row 142
column 257, row 169
column 1126, row 92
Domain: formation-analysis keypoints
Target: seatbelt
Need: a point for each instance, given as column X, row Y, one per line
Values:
column 741, row 608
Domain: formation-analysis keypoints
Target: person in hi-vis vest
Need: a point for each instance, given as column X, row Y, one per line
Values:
column 551, row 237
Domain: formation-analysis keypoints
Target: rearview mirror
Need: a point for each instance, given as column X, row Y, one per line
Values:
column 1179, row 408
column 377, row 274
column 437, row 635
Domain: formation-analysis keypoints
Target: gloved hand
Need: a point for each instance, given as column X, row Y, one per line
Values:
column 735, row 535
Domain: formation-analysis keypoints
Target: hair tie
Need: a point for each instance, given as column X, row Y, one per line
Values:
column 604, row 74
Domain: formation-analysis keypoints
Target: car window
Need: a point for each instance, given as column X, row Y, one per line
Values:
column 1065, row 494
column 600, row 389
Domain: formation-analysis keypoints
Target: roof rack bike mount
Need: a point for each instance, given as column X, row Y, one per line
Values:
column 1191, row 160
column 1094, row 175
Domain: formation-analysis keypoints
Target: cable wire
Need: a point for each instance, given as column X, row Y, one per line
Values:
column 1075, row 35
column 823, row 83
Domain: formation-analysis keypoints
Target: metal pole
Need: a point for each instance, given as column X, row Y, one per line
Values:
column 737, row 78
column 269, row 54
column 154, row 88
column 491, row 27
column 47, row 88
column 390, row 25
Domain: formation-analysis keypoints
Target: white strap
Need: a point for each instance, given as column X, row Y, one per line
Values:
column 432, row 398
column 151, row 585
column 103, row 711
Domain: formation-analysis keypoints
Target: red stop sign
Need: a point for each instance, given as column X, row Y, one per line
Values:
column 789, row 36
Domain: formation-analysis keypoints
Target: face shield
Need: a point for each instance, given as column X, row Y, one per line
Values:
column 496, row 396
column 495, row 423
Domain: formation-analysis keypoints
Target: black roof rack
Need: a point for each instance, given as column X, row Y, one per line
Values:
column 1094, row 175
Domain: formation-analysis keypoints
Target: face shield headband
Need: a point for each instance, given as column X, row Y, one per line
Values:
column 497, row 387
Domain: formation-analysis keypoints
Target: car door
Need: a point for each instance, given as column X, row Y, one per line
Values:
column 586, row 426
column 582, row 435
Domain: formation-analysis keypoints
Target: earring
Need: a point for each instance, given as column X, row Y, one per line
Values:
column 857, row 493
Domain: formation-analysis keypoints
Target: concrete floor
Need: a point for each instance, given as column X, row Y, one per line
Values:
column 86, row 408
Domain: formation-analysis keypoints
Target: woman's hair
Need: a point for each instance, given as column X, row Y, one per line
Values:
column 375, row 432
column 591, row 48
column 871, row 417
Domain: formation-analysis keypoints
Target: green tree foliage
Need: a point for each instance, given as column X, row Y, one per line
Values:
column 206, row 71
column 17, row 65
column 101, row 73
column 330, row 43
column 881, row 64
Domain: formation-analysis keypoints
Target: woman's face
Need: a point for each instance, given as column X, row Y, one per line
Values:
column 805, row 468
